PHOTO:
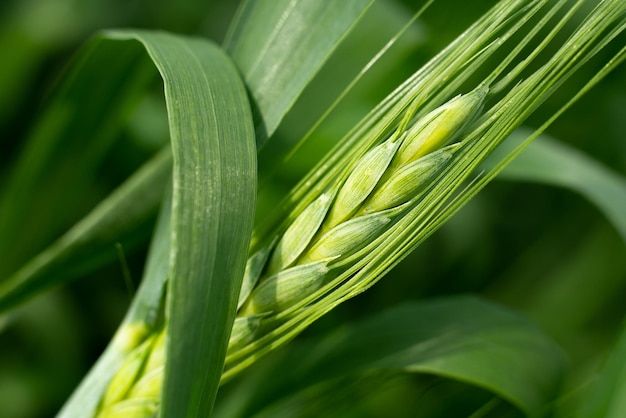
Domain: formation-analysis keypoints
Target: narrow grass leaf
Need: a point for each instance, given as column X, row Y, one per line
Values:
column 212, row 134
column 146, row 304
column 214, row 191
column 461, row 338
column 279, row 45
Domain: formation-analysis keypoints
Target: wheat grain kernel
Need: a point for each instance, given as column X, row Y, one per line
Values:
column 406, row 182
column 360, row 183
column 348, row 237
column 131, row 408
column 254, row 267
column 149, row 386
column 127, row 374
column 286, row 287
column 299, row 234
column 440, row 126
column 244, row 329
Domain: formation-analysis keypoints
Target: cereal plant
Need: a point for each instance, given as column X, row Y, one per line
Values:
column 295, row 216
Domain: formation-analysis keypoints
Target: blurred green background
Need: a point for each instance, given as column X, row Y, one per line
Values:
column 544, row 251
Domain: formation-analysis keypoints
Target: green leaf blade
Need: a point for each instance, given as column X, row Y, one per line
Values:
column 279, row 46
column 462, row 338
column 214, row 192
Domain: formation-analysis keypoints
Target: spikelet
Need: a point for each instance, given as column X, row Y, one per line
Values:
column 128, row 373
column 131, row 408
column 150, row 381
column 149, row 386
column 348, row 237
column 440, row 127
column 299, row 234
column 360, row 183
column 406, row 182
column 157, row 356
column 284, row 288
column 244, row 329
column 131, row 335
column 254, row 268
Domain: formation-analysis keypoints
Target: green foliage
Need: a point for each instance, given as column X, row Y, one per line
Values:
column 608, row 396
column 462, row 338
column 98, row 150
